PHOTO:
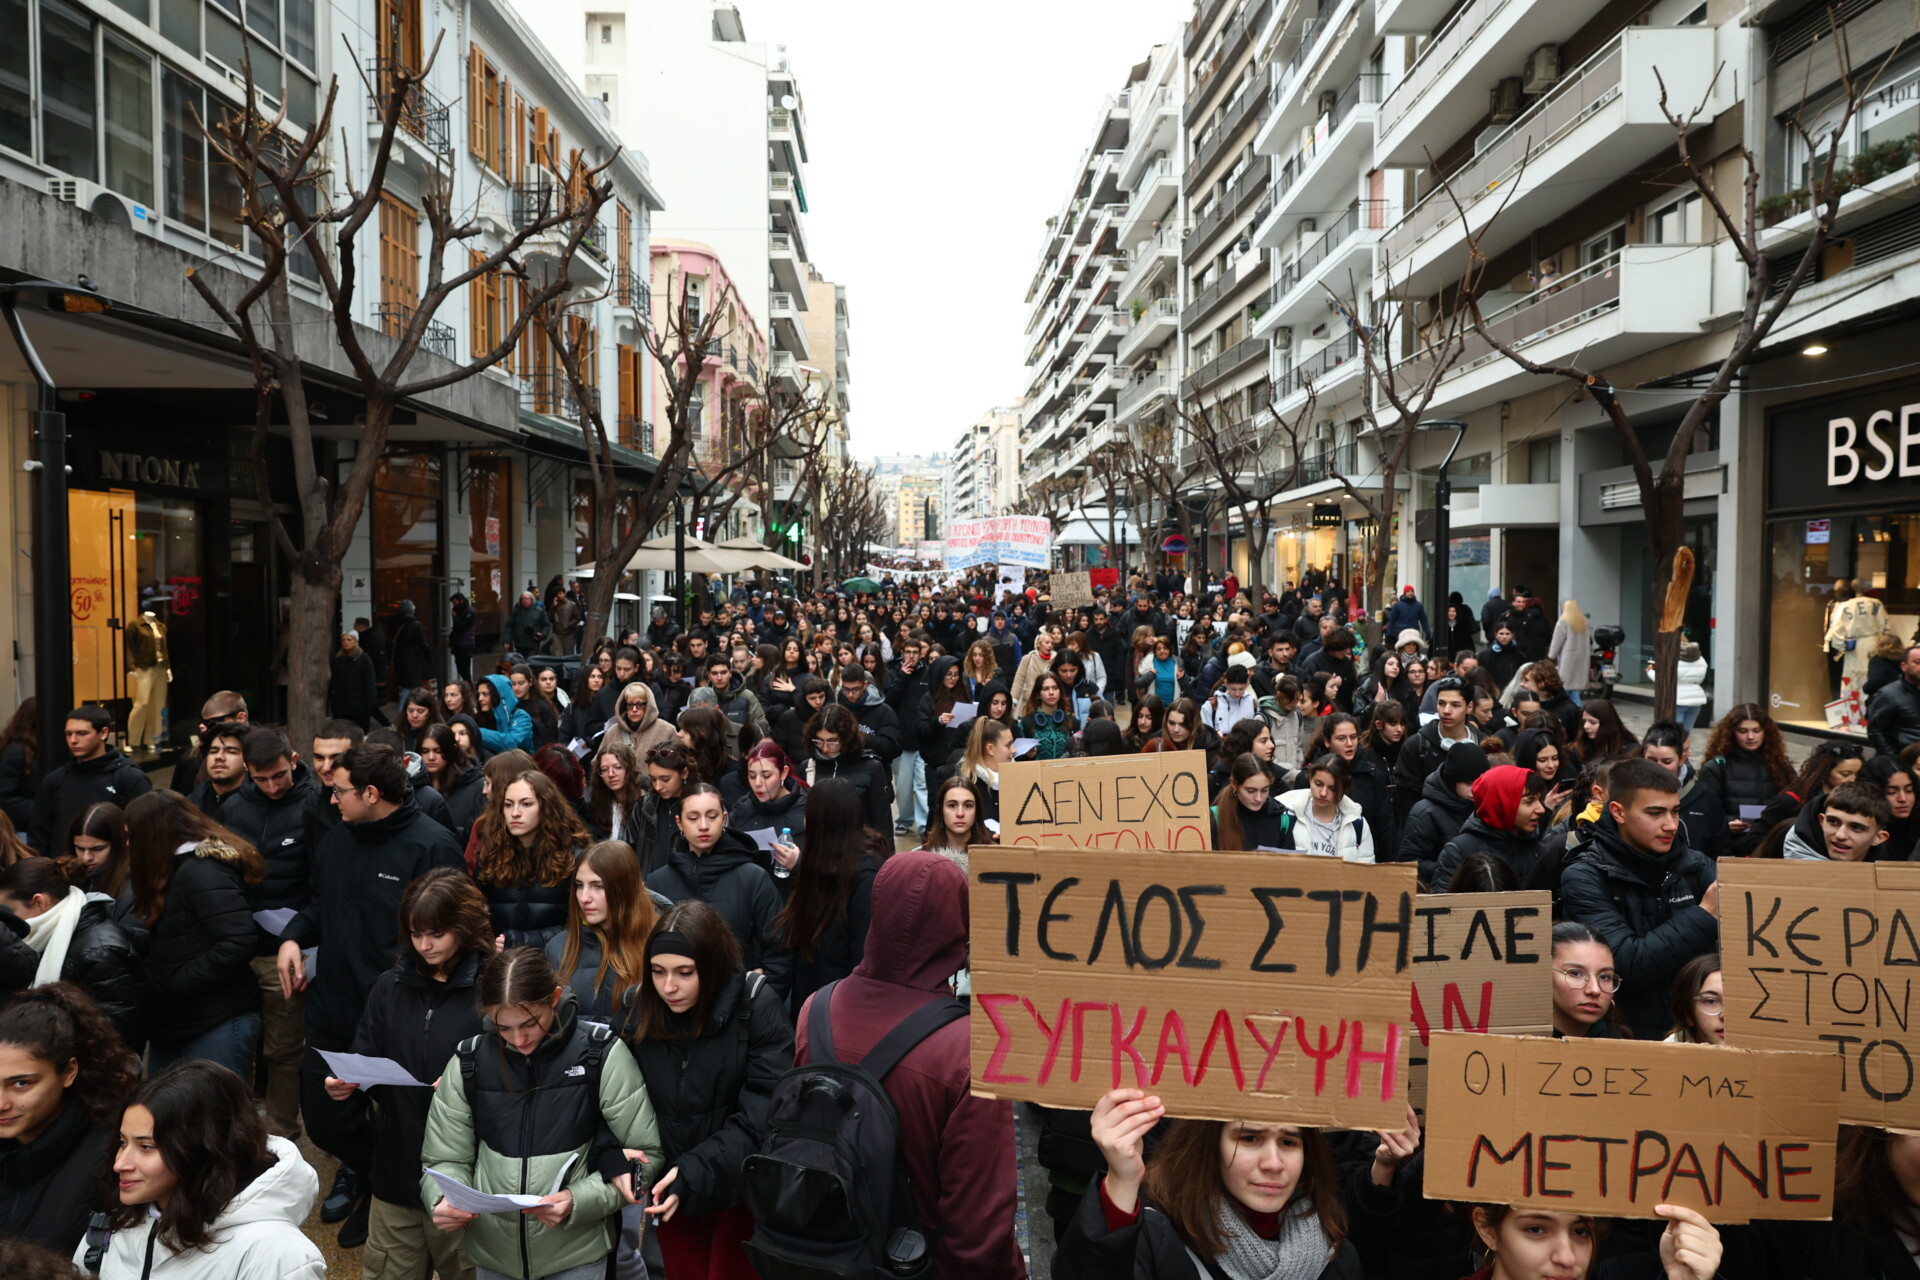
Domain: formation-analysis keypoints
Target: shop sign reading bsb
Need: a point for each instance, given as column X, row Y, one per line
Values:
column 1863, row 446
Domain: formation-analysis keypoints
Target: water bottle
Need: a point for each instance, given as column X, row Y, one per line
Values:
column 780, row 872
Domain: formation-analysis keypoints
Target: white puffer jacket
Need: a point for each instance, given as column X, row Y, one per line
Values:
column 256, row 1237
column 1356, row 841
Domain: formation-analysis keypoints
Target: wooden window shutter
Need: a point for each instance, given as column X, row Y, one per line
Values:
column 542, row 158
column 413, row 50
column 519, row 140
column 479, row 305
column 623, row 354
column 386, row 25
column 476, row 101
column 623, row 247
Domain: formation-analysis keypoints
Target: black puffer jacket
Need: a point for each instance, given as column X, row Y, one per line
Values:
column 841, row 945
column 1521, row 853
column 466, row 800
column 103, row 961
column 1740, row 778
column 1648, row 911
column 878, row 725
column 726, row 879
column 1370, row 790
column 788, row 809
column 1436, row 818
column 108, row 778
column 200, row 959
column 284, row 831
column 360, row 870
column 868, row 775
column 597, row 1003
column 655, row 826
column 1260, row 828
column 19, row 781
column 418, row 1022
column 1704, row 814
column 1420, row 757
column 529, row 914
column 710, row 1094
column 50, row 1186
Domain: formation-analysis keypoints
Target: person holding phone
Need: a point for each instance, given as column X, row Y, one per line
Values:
column 1508, row 805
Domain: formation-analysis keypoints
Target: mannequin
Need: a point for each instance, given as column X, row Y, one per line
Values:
column 149, row 675
column 1853, row 627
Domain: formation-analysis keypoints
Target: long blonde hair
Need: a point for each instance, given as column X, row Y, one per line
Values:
column 1571, row 615
column 984, row 727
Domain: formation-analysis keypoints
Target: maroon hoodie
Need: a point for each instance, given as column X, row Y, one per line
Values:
column 958, row 1148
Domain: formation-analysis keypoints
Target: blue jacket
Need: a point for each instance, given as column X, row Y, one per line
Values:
column 518, row 735
column 1403, row 613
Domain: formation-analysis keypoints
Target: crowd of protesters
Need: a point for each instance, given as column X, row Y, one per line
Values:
column 608, row 923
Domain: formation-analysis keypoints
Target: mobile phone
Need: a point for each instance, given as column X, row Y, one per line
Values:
column 638, row 1168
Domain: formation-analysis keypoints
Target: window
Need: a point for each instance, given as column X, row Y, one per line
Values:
column 399, row 264
column 606, row 33
column 485, row 123
column 1543, row 462
column 16, row 77
column 299, row 37
column 397, row 29
column 129, row 83
column 183, row 150
column 1679, row 222
column 483, row 307
column 1604, row 245
column 68, row 129
column 1891, row 113
column 180, row 23
column 263, row 19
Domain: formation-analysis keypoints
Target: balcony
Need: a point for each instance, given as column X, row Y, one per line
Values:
column 392, row 319
column 1251, row 268
column 1443, row 93
column 785, row 371
column 784, row 258
column 1151, row 260
column 1250, row 108
column 1239, row 356
column 1153, row 196
column 1250, row 191
column 1642, row 298
column 1601, row 121
column 1155, row 129
column 784, row 310
column 785, row 194
column 1209, row 72
column 1142, row 392
column 1157, row 322
column 1408, row 17
column 635, row 433
column 1323, row 372
column 424, row 118
column 633, row 293
column 1341, row 259
column 784, row 130
column 1325, row 170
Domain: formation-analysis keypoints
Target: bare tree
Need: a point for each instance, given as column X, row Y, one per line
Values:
column 1149, row 457
column 288, row 211
column 709, row 469
column 1252, row 457
column 853, row 516
column 1663, row 492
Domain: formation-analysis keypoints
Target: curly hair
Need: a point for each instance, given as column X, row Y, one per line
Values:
column 59, row 1023
column 500, row 858
column 1546, row 678
column 210, row 1137
column 601, row 798
column 1773, row 747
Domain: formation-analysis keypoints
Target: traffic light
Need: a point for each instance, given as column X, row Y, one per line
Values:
column 794, row 533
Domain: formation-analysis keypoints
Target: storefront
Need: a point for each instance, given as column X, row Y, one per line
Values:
column 143, row 507
column 1843, row 547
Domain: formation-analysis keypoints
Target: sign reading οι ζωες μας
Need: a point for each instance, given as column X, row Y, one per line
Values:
column 1615, row 1127
column 1481, row 962
column 1231, row 985
column 1154, row 801
column 1825, row 957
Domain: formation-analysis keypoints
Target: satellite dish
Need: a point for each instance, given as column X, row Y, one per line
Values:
column 789, row 102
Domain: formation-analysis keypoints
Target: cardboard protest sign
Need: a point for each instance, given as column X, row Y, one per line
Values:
column 1824, row 956
column 1233, row 985
column 1615, row 1127
column 1071, row 590
column 1481, row 962
column 1156, row 801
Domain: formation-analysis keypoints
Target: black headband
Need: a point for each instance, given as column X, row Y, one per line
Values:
column 669, row 942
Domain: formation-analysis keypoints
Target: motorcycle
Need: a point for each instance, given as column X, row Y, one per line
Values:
column 1603, row 668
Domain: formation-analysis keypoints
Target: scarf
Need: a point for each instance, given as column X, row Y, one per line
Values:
column 989, row 776
column 51, row 932
column 1301, row 1252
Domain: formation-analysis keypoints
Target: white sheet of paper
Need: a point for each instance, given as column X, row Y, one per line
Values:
column 1023, row 745
column 766, row 837
column 364, row 1071
column 1751, row 812
column 992, row 824
column 463, row 1197
column 276, row 921
column 963, row 712
column 579, row 748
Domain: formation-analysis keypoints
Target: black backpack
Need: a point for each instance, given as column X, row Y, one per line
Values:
column 827, row 1188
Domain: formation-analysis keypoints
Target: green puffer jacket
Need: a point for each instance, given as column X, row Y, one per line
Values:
column 509, row 1129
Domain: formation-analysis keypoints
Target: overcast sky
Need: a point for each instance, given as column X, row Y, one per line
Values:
column 940, row 141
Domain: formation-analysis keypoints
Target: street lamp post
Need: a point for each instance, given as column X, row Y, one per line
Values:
column 1442, row 520
column 52, row 569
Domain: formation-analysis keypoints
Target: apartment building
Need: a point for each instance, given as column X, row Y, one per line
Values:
column 106, row 176
column 983, row 478
column 917, row 513
column 1150, row 238
column 1075, row 321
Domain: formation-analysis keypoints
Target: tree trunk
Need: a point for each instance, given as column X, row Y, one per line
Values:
column 1666, row 526
column 313, row 608
column 1256, row 558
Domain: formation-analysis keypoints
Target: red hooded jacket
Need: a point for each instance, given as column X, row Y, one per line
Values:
column 1497, row 794
column 958, row 1148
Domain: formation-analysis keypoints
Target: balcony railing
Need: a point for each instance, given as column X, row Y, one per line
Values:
column 636, row 433
column 779, row 242
column 780, row 304
column 425, row 116
column 1226, row 364
column 1142, row 388
column 1360, row 215
column 1591, row 86
column 1325, row 463
column 394, row 317
column 1207, row 76
column 538, row 197
column 1251, row 186
column 1204, row 302
column 1315, row 368
column 1364, row 90
column 1251, row 107
column 631, row 290
column 1436, row 56
column 1202, row 23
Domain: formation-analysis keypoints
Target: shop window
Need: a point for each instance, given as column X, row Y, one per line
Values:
column 16, row 76
column 68, row 127
column 583, row 519
column 129, row 85
column 407, row 511
column 489, row 524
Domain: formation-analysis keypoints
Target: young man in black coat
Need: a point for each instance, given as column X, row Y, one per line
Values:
column 360, row 870
column 97, row 774
column 1422, row 752
column 1445, row 804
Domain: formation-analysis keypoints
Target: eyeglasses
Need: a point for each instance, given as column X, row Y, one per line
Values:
column 345, row 791
column 1575, row 977
column 1709, row 1004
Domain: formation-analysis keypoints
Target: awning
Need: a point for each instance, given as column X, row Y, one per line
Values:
column 1093, row 533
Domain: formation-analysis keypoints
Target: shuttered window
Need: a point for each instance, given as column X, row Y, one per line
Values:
column 399, row 263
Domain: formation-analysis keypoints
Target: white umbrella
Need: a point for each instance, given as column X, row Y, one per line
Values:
column 658, row 553
column 756, row 555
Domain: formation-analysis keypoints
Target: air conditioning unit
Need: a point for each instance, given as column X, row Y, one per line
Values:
column 1327, row 100
column 108, row 206
column 1505, row 100
column 1282, row 338
column 1542, row 70
column 1305, row 231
